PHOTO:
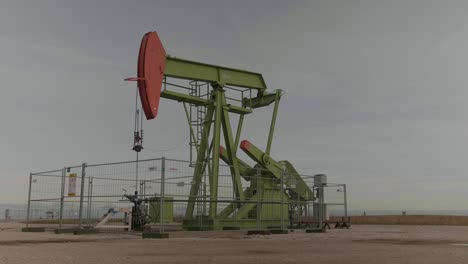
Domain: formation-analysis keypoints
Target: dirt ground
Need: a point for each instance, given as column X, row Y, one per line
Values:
column 361, row 244
column 408, row 220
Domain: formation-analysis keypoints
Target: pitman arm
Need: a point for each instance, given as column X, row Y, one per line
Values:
column 292, row 179
column 244, row 169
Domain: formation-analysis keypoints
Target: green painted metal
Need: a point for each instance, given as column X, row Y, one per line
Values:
column 197, row 101
column 192, row 70
column 261, row 101
column 275, row 168
column 264, row 203
column 192, row 133
column 185, row 98
column 238, row 133
column 295, row 182
column 228, row 210
column 285, row 169
column 201, row 164
column 231, row 153
column 273, row 121
column 217, row 117
column 265, row 190
column 215, row 160
column 246, row 208
column 245, row 170
column 155, row 209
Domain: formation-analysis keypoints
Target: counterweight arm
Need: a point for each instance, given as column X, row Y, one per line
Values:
column 292, row 179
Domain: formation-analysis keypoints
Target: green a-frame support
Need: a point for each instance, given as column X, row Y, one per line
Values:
column 218, row 114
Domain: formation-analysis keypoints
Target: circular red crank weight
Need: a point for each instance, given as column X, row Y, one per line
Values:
column 151, row 65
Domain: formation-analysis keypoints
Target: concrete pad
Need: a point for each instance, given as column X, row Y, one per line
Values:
column 154, row 235
column 259, row 232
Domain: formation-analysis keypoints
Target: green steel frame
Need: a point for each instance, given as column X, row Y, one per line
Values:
column 209, row 152
column 192, row 70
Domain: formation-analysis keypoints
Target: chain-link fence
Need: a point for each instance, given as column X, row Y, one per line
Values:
column 170, row 195
column 14, row 214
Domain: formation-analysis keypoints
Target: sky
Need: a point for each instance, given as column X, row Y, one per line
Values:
column 375, row 90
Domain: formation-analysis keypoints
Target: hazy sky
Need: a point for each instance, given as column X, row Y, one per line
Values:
column 375, row 90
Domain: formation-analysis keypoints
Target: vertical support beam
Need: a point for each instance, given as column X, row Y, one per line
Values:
column 192, row 133
column 231, row 150
column 162, row 196
column 207, row 164
column 239, row 128
column 28, row 214
column 199, row 167
column 62, row 197
column 273, row 122
column 80, row 213
column 215, row 158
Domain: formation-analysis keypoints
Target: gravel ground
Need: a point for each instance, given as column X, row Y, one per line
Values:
column 361, row 244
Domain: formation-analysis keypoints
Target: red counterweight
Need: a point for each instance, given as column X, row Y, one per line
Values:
column 151, row 65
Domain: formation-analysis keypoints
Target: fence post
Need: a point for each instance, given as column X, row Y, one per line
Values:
column 235, row 204
column 259, row 195
column 62, row 197
column 80, row 213
column 162, row 197
column 90, row 191
column 282, row 199
column 345, row 201
column 29, row 201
